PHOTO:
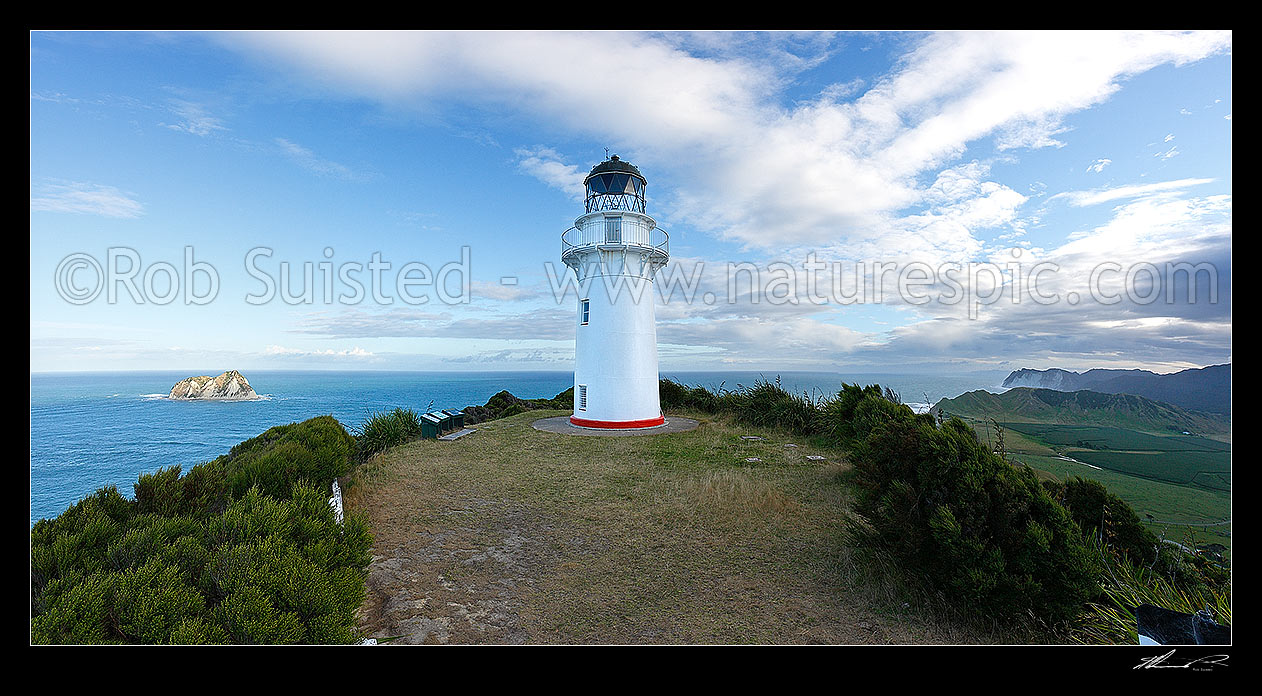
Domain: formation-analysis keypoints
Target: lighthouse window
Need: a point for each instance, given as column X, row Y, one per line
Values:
column 582, row 397
column 584, row 311
column 613, row 230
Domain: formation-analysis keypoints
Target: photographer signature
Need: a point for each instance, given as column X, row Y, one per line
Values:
column 1198, row 664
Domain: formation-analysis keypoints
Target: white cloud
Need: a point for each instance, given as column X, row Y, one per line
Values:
column 498, row 291
column 405, row 322
column 355, row 352
column 864, row 170
column 1080, row 199
column 85, row 198
column 546, row 165
column 194, row 119
column 743, row 165
column 309, row 160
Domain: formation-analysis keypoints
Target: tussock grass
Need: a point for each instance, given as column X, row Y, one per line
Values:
column 1111, row 621
column 386, row 429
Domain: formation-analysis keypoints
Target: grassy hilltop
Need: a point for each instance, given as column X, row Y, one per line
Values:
column 514, row 535
column 780, row 519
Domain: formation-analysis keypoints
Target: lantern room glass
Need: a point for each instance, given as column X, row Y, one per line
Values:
column 615, row 191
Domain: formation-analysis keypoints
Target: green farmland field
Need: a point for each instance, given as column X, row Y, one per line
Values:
column 1175, row 510
column 1111, row 438
column 1210, row 470
column 1180, row 485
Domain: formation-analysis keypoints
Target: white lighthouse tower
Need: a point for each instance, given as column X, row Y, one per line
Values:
column 615, row 249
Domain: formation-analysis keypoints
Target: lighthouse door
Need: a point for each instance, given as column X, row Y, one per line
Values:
column 613, row 230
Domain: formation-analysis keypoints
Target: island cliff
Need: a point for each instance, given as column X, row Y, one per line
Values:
column 229, row 385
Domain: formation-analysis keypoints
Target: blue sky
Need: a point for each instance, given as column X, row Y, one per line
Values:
column 1070, row 149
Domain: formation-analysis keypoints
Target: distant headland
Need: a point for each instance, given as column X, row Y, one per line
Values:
column 1202, row 389
column 229, row 386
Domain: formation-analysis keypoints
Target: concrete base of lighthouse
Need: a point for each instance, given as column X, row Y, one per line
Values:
column 618, row 425
column 562, row 425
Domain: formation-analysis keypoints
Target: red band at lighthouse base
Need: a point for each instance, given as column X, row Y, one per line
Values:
column 618, row 425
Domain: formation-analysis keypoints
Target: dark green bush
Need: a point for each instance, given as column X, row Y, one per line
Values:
column 963, row 521
column 674, row 395
column 1104, row 515
column 315, row 451
column 192, row 561
column 503, row 404
column 857, row 411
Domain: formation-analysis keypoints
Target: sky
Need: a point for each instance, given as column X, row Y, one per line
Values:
column 214, row 201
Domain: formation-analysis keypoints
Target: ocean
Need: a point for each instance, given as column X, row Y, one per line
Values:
column 90, row 430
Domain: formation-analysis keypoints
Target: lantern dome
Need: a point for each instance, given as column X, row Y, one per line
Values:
column 615, row 184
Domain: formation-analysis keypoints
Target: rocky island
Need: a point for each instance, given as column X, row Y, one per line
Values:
column 231, row 385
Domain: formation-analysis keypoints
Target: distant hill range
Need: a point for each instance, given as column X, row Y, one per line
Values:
column 1026, row 405
column 1203, row 389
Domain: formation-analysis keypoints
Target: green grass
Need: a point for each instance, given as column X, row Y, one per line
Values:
column 1211, row 470
column 1112, row 621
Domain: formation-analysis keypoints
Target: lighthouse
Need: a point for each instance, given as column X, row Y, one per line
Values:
column 615, row 248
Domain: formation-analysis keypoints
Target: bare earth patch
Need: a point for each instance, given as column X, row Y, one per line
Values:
column 512, row 535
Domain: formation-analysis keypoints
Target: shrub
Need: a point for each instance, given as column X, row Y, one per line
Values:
column 384, row 430
column 857, row 411
column 964, row 521
column 315, row 451
column 503, row 404
column 191, row 561
column 1100, row 513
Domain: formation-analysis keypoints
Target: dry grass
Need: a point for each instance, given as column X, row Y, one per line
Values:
column 734, row 493
column 516, row 535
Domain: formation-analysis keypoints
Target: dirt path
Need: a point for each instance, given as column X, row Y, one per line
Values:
column 456, row 583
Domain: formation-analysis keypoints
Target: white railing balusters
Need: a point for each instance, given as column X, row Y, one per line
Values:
column 631, row 236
